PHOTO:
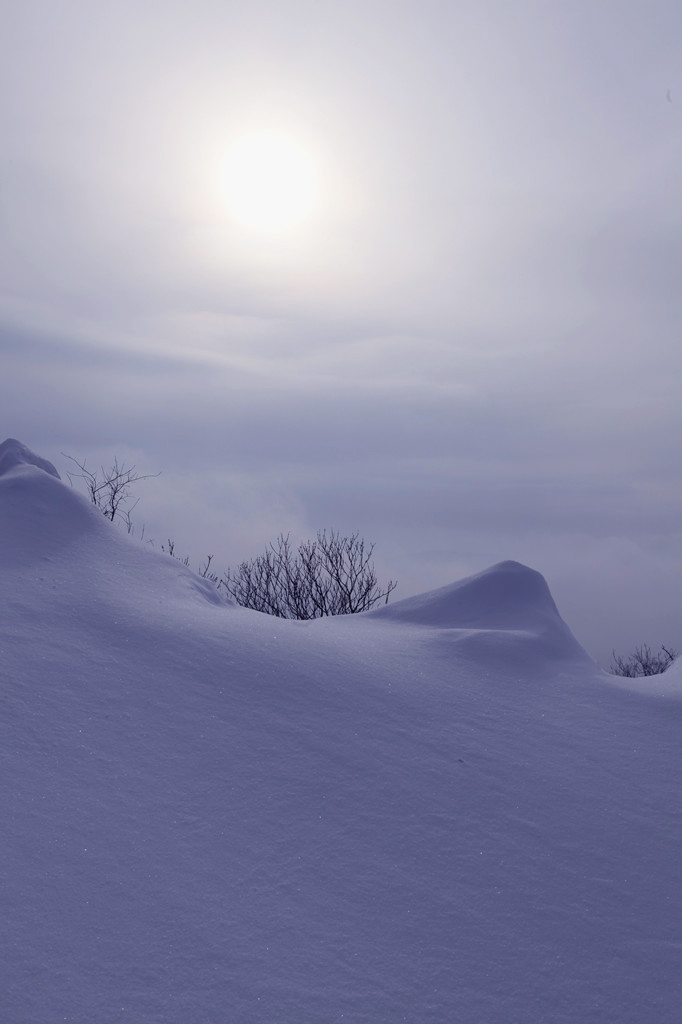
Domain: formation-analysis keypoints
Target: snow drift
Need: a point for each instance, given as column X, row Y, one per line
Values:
column 212, row 815
column 504, row 615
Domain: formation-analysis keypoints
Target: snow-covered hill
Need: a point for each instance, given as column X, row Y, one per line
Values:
column 439, row 811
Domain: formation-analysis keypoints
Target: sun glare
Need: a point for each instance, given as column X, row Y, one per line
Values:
column 270, row 182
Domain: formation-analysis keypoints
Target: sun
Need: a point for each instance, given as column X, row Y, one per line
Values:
column 270, row 182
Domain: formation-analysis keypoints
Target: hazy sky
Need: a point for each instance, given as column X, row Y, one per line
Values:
column 441, row 305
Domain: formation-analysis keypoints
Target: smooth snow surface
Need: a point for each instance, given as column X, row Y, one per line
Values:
column 438, row 812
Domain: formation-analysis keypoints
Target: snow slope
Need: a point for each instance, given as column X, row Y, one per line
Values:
column 439, row 811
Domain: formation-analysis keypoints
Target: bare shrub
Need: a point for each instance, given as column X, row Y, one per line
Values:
column 169, row 549
column 331, row 575
column 110, row 489
column 642, row 662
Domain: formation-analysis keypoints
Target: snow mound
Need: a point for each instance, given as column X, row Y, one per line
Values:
column 39, row 514
column 505, row 596
column 45, row 522
column 14, row 454
column 495, row 613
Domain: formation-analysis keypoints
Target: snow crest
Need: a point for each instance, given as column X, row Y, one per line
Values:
column 39, row 514
column 14, row 454
column 504, row 614
column 508, row 595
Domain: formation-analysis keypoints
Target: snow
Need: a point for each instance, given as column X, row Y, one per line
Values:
column 438, row 811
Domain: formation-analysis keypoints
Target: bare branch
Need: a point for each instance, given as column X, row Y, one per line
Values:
column 110, row 489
